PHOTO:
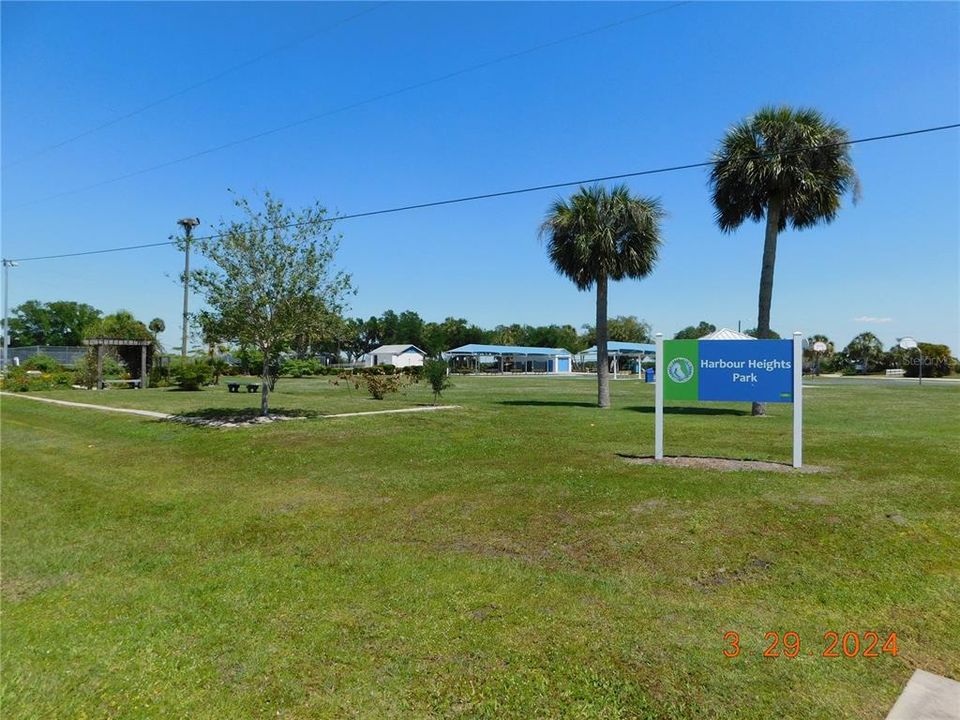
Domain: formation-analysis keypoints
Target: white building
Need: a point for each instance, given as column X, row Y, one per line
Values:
column 396, row 355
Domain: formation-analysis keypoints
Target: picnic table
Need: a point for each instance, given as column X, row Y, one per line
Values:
column 235, row 387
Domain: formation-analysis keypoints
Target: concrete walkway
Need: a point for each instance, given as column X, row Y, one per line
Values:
column 167, row 416
column 425, row 408
column 88, row 406
column 927, row 697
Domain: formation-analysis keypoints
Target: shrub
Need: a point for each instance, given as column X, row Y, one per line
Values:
column 43, row 363
column 299, row 368
column 63, row 379
column 414, row 371
column 435, row 371
column 192, row 376
column 374, row 380
column 379, row 386
column 86, row 373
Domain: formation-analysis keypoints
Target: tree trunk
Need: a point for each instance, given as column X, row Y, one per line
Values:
column 264, row 389
column 603, row 362
column 766, row 279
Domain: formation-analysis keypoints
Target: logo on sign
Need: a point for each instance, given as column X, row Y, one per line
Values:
column 680, row 370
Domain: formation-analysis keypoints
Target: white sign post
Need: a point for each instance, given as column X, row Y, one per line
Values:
column 797, row 400
column 658, row 392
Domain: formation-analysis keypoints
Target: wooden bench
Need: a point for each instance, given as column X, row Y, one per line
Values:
column 134, row 383
column 235, row 387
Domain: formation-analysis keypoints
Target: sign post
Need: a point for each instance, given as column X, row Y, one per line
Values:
column 658, row 392
column 797, row 400
column 731, row 371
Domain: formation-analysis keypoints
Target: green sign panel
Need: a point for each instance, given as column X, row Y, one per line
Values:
column 681, row 363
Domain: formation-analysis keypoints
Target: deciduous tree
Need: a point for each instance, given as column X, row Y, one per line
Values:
column 270, row 277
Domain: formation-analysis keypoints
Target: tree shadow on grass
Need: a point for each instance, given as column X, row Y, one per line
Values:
column 218, row 417
column 650, row 409
column 548, row 403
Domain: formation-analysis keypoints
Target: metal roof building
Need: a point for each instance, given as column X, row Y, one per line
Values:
column 617, row 349
column 727, row 334
column 513, row 358
column 396, row 355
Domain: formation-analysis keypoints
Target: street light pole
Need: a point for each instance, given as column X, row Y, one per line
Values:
column 188, row 224
column 7, row 264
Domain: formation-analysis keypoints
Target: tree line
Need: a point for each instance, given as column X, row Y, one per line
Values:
column 358, row 336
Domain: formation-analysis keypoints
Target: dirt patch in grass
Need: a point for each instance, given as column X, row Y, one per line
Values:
column 231, row 418
column 755, row 568
column 723, row 464
column 18, row 589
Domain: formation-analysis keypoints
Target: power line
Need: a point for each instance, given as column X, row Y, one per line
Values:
column 97, row 252
column 360, row 103
column 206, row 81
column 523, row 190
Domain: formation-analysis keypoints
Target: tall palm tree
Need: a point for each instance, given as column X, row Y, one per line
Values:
column 597, row 236
column 788, row 166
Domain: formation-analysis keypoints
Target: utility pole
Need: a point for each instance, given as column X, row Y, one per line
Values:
column 7, row 264
column 188, row 224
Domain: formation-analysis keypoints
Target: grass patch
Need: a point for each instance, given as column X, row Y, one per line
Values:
column 500, row 561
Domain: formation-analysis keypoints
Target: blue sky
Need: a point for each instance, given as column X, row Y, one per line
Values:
column 655, row 91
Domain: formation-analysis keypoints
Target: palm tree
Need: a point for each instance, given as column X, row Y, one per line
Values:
column 597, row 236
column 790, row 166
column 819, row 338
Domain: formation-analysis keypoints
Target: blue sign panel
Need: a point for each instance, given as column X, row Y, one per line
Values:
column 747, row 370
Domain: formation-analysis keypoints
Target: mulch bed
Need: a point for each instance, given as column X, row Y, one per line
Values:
column 722, row 464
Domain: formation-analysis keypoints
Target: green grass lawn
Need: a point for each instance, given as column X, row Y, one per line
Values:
column 310, row 394
column 496, row 561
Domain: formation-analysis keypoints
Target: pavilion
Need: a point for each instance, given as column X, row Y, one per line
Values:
column 641, row 352
column 512, row 358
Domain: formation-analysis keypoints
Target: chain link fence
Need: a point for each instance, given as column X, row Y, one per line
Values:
column 63, row 354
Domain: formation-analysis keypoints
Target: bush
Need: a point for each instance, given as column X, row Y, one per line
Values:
column 86, row 373
column 299, row 368
column 192, row 376
column 435, row 371
column 43, row 363
column 936, row 361
column 379, row 386
column 17, row 379
column 374, row 380
column 414, row 371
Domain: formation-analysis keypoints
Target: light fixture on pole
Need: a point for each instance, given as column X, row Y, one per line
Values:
column 188, row 224
column 908, row 343
column 7, row 264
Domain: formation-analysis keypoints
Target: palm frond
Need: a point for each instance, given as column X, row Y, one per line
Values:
column 600, row 233
column 796, row 155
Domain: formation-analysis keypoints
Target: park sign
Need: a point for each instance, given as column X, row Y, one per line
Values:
column 731, row 371
column 728, row 370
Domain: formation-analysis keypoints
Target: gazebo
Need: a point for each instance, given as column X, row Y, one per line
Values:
column 128, row 351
